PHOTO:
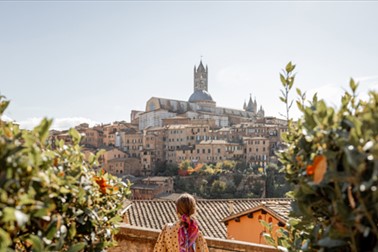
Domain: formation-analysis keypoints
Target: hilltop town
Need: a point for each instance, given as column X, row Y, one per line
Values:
column 173, row 137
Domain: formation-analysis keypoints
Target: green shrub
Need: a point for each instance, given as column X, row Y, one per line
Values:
column 332, row 161
column 51, row 199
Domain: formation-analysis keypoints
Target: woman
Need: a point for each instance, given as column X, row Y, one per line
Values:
column 184, row 235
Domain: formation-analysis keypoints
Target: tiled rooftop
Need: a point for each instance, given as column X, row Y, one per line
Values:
column 210, row 213
column 280, row 210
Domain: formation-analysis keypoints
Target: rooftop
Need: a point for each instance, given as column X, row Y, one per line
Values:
column 280, row 210
column 210, row 213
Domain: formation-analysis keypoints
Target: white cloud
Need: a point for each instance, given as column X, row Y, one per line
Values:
column 58, row 123
column 6, row 118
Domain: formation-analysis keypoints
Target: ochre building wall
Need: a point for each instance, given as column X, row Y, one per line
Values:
column 250, row 229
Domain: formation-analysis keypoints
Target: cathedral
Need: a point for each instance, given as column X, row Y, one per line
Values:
column 200, row 105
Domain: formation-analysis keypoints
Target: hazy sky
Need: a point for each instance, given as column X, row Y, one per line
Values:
column 95, row 61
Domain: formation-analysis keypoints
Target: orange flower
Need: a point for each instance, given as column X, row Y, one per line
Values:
column 102, row 183
column 310, row 170
column 318, row 168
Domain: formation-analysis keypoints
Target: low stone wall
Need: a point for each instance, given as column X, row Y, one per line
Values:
column 136, row 239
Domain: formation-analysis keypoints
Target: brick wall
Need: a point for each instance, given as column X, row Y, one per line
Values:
column 136, row 239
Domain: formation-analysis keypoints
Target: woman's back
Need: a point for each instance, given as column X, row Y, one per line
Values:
column 183, row 235
column 168, row 240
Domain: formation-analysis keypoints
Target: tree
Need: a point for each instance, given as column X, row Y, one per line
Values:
column 331, row 161
column 51, row 199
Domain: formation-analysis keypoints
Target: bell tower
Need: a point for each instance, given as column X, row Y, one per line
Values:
column 200, row 77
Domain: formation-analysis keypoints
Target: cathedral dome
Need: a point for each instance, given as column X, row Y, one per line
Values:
column 200, row 95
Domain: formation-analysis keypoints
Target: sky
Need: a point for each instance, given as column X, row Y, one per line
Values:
column 95, row 61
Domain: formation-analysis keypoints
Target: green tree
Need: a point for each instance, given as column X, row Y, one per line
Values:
column 51, row 199
column 331, row 161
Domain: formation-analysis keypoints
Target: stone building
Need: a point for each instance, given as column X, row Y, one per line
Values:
column 92, row 137
column 210, row 151
column 200, row 105
column 150, row 187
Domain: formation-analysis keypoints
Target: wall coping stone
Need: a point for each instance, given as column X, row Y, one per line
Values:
column 147, row 235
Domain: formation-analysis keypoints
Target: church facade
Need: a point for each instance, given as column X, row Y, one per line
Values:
column 200, row 105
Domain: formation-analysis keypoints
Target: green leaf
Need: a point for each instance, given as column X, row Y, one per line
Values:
column 5, row 240
column 77, row 247
column 299, row 92
column 36, row 242
column 269, row 239
column 289, row 67
column 353, row 85
column 300, row 106
column 51, row 230
column 266, row 225
column 76, row 137
column 43, row 129
column 8, row 214
column 72, row 230
column 3, row 105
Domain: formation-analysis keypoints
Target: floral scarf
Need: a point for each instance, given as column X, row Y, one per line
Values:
column 187, row 236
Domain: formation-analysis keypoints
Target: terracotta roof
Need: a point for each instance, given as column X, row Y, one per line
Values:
column 156, row 179
column 280, row 210
column 210, row 213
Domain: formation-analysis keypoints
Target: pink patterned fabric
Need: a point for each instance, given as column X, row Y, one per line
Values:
column 187, row 236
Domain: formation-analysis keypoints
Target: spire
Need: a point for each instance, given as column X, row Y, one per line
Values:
column 201, row 67
column 250, row 104
column 245, row 105
column 201, row 77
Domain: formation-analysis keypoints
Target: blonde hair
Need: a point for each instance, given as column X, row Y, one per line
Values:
column 186, row 204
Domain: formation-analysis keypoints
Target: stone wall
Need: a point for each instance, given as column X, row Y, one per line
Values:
column 136, row 239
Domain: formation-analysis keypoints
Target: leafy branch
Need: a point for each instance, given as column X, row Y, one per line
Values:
column 287, row 80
